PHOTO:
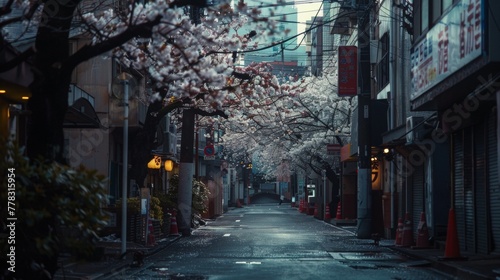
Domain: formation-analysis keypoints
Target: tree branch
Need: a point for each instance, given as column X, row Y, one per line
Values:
column 207, row 114
column 18, row 59
column 194, row 3
column 88, row 51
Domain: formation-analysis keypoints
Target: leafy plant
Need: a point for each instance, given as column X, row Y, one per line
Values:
column 134, row 207
column 57, row 208
column 199, row 199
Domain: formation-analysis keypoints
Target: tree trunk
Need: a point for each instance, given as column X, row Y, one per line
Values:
column 49, row 101
column 144, row 143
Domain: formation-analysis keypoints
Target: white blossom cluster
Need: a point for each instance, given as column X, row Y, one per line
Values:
column 192, row 60
column 292, row 122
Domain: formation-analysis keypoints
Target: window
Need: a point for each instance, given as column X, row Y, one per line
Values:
column 427, row 13
column 383, row 64
column 424, row 14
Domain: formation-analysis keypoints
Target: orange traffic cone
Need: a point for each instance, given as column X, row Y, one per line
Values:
column 151, row 235
column 399, row 232
column 328, row 216
column 338, row 216
column 173, row 224
column 452, row 248
column 407, row 238
column 422, row 233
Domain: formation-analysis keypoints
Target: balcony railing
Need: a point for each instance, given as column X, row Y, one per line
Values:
column 76, row 93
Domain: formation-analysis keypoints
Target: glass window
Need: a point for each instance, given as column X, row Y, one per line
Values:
column 447, row 4
column 416, row 18
column 424, row 10
column 436, row 10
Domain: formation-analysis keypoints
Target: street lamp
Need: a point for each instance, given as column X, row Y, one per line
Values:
column 121, row 86
column 169, row 165
column 153, row 164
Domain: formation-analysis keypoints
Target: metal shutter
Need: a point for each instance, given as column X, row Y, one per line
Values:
column 481, row 215
column 458, row 182
column 469, row 191
column 418, row 196
column 493, row 182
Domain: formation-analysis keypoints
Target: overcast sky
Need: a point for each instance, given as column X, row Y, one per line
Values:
column 306, row 12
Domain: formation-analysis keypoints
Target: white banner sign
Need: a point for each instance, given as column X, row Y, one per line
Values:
column 449, row 45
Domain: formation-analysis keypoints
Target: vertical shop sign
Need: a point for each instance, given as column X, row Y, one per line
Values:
column 348, row 71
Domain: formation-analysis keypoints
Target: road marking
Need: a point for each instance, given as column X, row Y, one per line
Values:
column 248, row 263
column 227, row 234
column 237, row 221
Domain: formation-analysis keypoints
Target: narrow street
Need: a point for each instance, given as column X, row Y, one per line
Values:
column 269, row 241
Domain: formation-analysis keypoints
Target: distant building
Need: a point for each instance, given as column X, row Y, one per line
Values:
column 288, row 58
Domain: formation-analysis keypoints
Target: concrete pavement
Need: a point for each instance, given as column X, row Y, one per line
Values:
column 471, row 267
column 111, row 263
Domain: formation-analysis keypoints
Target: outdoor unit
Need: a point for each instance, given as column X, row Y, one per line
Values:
column 413, row 128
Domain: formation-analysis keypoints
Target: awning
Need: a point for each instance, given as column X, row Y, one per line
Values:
column 81, row 115
column 394, row 137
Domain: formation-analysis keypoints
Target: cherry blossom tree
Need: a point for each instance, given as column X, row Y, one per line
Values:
column 188, row 63
column 293, row 122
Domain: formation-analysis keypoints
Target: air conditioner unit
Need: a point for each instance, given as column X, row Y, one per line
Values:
column 412, row 131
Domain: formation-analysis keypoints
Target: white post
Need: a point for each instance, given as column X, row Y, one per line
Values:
column 125, row 167
column 324, row 192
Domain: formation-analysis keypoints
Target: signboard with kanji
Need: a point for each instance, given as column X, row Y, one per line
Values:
column 348, row 71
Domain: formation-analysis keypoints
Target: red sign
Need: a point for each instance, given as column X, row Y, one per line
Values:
column 209, row 150
column 332, row 149
column 348, row 71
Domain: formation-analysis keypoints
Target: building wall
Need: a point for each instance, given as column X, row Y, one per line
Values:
column 90, row 147
column 463, row 93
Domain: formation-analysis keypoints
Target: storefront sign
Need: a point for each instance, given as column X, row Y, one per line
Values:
column 348, row 71
column 451, row 44
column 376, row 174
column 333, row 149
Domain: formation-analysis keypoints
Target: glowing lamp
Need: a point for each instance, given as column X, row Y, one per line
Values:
column 155, row 163
column 169, row 165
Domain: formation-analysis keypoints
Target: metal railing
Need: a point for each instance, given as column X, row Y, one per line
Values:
column 76, row 93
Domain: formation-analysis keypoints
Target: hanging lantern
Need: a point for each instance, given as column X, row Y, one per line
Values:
column 169, row 165
column 155, row 163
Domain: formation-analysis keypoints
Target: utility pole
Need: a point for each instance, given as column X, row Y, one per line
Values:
column 185, row 191
column 364, row 219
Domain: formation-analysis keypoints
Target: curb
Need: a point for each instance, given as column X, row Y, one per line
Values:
column 445, row 266
column 150, row 252
column 119, row 265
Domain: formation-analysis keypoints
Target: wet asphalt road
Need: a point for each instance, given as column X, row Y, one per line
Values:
column 276, row 242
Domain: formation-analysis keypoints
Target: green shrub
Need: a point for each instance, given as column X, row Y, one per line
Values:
column 49, row 198
column 199, row 199
column 134, row 207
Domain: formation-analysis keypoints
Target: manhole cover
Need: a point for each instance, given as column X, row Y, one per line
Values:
column 369, row 256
